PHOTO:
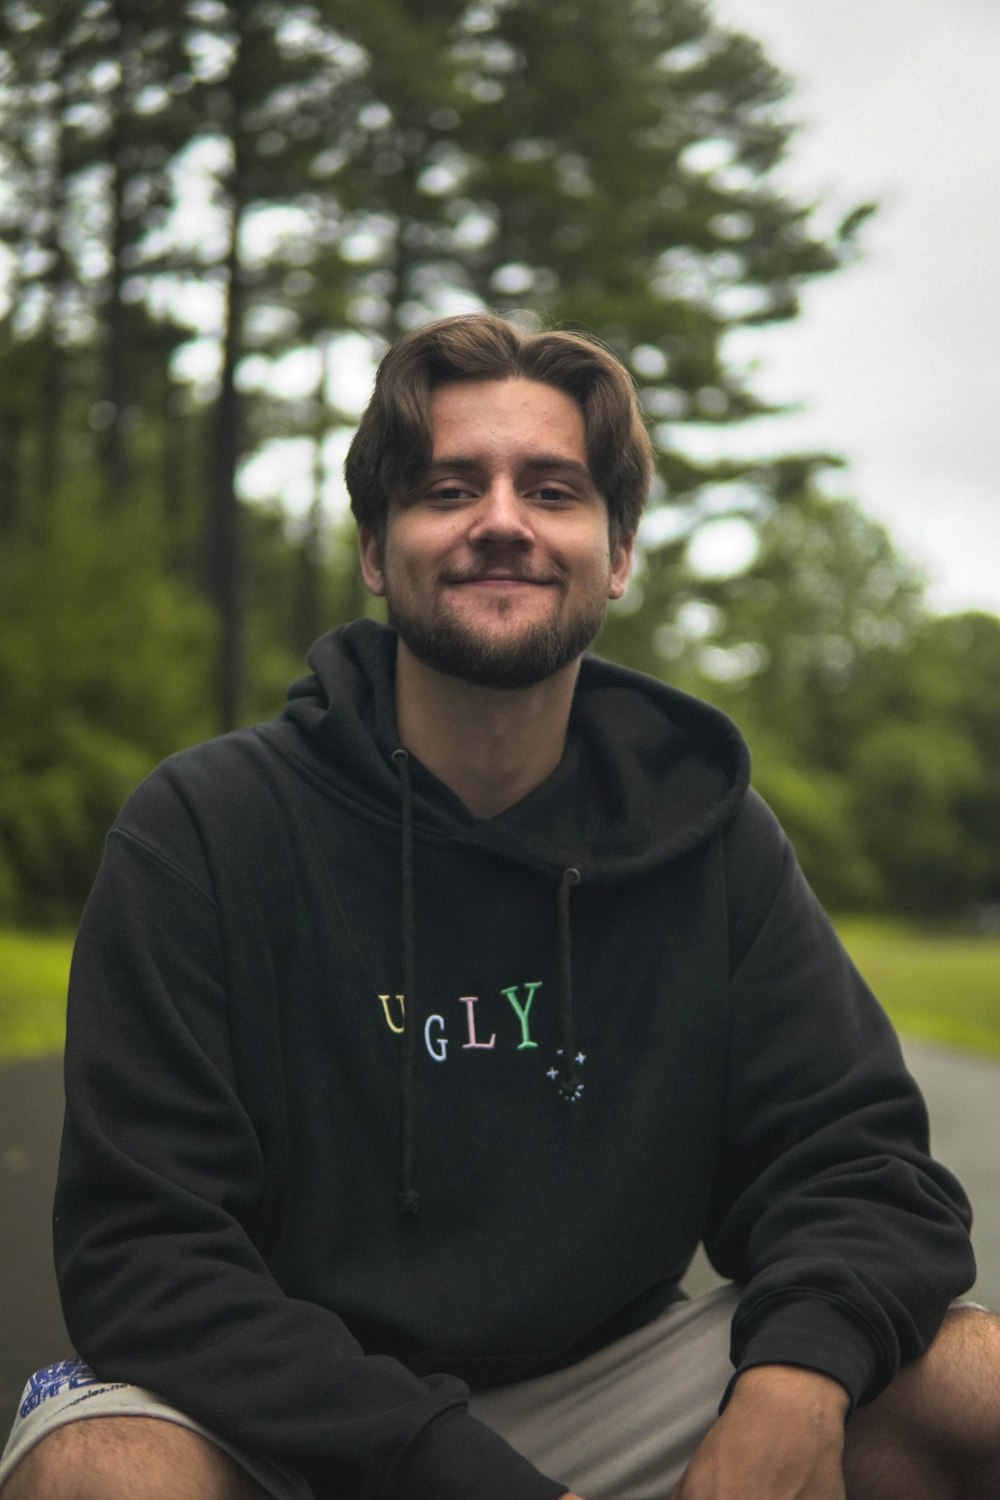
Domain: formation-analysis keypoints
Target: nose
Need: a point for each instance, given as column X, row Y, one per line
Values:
column 501, row 515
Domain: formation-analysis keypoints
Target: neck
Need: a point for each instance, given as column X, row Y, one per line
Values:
column 491, row 746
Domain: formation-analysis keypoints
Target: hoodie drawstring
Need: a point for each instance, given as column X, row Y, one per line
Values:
column 570, row 1083
column 409, row 1198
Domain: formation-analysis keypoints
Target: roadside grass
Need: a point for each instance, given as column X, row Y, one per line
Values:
column 941, row 985
column 33, row 970
column 938, row 985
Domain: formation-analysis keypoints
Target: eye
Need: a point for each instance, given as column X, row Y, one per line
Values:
column 448, row 492
column 552, row 494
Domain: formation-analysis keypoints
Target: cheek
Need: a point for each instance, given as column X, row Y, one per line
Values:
column 430, row 555
column 597, row 563
column 410, row 569
column 418, row 546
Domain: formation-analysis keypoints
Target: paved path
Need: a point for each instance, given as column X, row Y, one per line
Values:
column 963, row 1096
column 31, row 1326
column 963, row 1099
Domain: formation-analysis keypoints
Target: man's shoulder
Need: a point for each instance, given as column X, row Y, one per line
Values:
column 758, row 857
column 219, row 825
column 225, row 768
column 214, row 794
column 754, row 832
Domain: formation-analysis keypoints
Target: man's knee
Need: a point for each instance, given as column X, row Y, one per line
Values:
column 939, row 1420
column 955, row 1385
column 128, row 1458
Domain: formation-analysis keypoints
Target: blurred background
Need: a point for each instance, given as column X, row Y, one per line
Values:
column 783, row 217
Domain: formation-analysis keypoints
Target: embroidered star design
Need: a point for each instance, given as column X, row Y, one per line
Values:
column 571, row 1089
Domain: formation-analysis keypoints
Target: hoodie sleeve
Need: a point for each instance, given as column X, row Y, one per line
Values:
column 160, row 1185
column 849, row 1238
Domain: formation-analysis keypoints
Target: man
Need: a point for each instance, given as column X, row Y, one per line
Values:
column 417, row 1037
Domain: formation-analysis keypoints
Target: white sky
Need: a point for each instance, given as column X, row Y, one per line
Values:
column 897, row 359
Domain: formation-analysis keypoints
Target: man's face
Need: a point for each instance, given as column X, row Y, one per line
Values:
column 497, row 570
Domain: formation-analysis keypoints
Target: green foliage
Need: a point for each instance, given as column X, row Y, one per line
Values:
column 102, row 660
column 816, row 810
column 625, row 152
column 198, row 195
column 34, row 969
column 943, row 985
column 873, row 725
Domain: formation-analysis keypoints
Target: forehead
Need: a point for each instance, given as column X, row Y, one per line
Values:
column 479, row 418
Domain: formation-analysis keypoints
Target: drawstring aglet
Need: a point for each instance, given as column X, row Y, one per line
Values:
column 570, row 1084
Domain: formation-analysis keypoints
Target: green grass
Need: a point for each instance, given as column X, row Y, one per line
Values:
column 33, row 971
column 935, row 985
column 939, row 985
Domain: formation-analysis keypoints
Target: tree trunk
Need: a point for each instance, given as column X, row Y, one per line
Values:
column 225, row 531
column 11, row 499
column 225, row 539
column 307, row 604
column 114, row 447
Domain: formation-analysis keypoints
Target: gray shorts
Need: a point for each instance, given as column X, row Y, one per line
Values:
column 619, row 1425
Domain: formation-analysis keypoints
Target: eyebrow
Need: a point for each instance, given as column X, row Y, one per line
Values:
column 539, row 462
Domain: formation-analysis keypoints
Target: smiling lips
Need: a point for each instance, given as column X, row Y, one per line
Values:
column 498, row 578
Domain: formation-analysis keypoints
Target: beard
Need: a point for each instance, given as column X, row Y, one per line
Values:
column 496, row 658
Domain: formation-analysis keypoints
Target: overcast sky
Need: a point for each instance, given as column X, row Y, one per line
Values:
column 897, row 360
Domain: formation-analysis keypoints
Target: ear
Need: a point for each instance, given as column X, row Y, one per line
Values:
column 621, row 567
column 370, row 553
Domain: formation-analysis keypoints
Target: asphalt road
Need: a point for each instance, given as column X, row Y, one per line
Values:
column 32, row 1333
column 963, row 1095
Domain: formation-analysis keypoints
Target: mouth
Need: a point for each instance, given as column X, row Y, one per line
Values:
column 498, row 580
column 502, row 583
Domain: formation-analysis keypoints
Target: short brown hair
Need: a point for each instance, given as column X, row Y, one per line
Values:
column 391, row 449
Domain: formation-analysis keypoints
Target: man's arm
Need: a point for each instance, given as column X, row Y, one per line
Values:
column 850, row 1241
column 781, row 1437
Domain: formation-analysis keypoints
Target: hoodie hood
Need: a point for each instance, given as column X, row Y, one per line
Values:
column 648, row 772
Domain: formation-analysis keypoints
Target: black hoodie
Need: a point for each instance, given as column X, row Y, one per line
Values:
column 370, row 1099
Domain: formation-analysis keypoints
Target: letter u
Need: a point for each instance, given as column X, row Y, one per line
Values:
column 388, row 1014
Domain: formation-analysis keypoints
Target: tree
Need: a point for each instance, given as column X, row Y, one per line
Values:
column 419, row 157
column 784, row 643
column 202, row 195
column 873, row 724
column 286, row 98
column 87, row 140
column 924, row 768
column 102, row 666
